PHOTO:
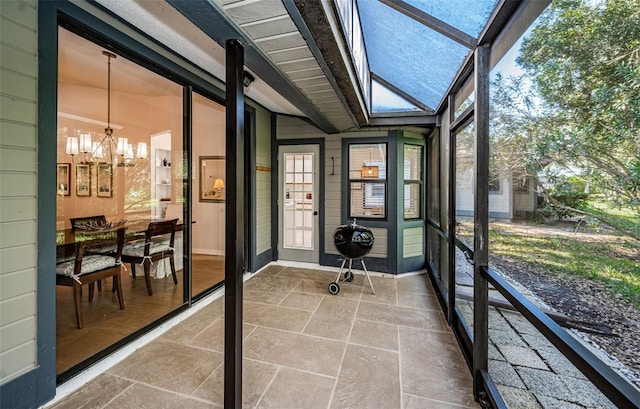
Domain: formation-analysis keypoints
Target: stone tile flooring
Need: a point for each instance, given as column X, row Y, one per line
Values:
column 528, row 370
column 303, row 348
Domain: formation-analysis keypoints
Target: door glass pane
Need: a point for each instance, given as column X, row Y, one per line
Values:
column 103, row 179
column 298, row 200
column 465, row 210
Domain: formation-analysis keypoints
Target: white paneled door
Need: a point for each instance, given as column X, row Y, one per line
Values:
column 298, row 205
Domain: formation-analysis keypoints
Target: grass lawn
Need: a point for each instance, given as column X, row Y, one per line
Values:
column 591, row 253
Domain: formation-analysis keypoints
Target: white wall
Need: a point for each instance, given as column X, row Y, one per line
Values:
column 500, row 203
column 18, row 187
column 208, row 140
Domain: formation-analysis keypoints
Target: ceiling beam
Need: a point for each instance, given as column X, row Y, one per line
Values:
column 427, row 121
column 211, row 20
column 402, row 93
column 435, row 24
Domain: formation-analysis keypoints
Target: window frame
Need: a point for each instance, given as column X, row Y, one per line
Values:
column 410, row 182
column 368, row 184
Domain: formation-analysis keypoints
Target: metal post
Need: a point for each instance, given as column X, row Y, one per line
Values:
column 451, row 238
column 234, row 226
column 481, row 218
column 187, row 155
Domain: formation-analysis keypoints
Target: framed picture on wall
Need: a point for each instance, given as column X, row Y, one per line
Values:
column 83, row 180
column 104, row 180
column 63, row 179
column 212, row 178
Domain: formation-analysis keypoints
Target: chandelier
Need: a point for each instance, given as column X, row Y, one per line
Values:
column 117, row 151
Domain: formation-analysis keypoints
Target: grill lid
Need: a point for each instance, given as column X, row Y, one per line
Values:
column 353, row 240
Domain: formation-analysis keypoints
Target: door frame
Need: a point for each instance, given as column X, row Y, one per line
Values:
column 299, row 254
column 275, row 213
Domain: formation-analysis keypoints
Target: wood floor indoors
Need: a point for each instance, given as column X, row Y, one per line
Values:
column 104, row 322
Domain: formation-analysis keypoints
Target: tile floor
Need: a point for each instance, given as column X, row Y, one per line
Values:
column 303, row 348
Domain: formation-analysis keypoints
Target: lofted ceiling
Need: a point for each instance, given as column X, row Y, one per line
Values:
column 300, row 57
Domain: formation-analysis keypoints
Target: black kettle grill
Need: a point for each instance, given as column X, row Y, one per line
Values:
column 353, row 241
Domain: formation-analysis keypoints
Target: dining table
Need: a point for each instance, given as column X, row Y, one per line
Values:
column 69, row 239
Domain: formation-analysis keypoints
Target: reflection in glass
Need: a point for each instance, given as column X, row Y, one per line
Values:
column 130, row 192
column 208, row 201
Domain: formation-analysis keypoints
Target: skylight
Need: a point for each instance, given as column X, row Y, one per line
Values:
column 385, row 100
column 414, row 59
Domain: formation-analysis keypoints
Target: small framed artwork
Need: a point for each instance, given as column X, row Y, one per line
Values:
column 212, row 178
column 104, row 180
column 83, row 180
column 63, row 178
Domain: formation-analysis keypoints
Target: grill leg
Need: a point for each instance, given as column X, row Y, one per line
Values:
column 340, row 271
column 367, row 274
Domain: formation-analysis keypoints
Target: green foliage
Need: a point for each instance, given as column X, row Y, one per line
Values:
column 566, row 194
column 584, row 60
column 613, row 261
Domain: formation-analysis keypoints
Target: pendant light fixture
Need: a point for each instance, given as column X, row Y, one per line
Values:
column 369, row 171
column 108, row 145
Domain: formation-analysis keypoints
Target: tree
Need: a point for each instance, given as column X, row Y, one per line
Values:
column 584, row 61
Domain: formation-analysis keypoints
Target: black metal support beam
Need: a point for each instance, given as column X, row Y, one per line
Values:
column 481, row 219
column 451, row 209
column 234, row 226
column 432, row 22
column 427, row 121
column 187, row 155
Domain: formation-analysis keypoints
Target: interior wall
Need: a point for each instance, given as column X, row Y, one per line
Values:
column 208, row 140
column 133, row 116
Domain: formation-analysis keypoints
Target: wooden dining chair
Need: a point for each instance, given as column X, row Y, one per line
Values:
column 157, row 245
column 91, row 264
column 77, row 223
